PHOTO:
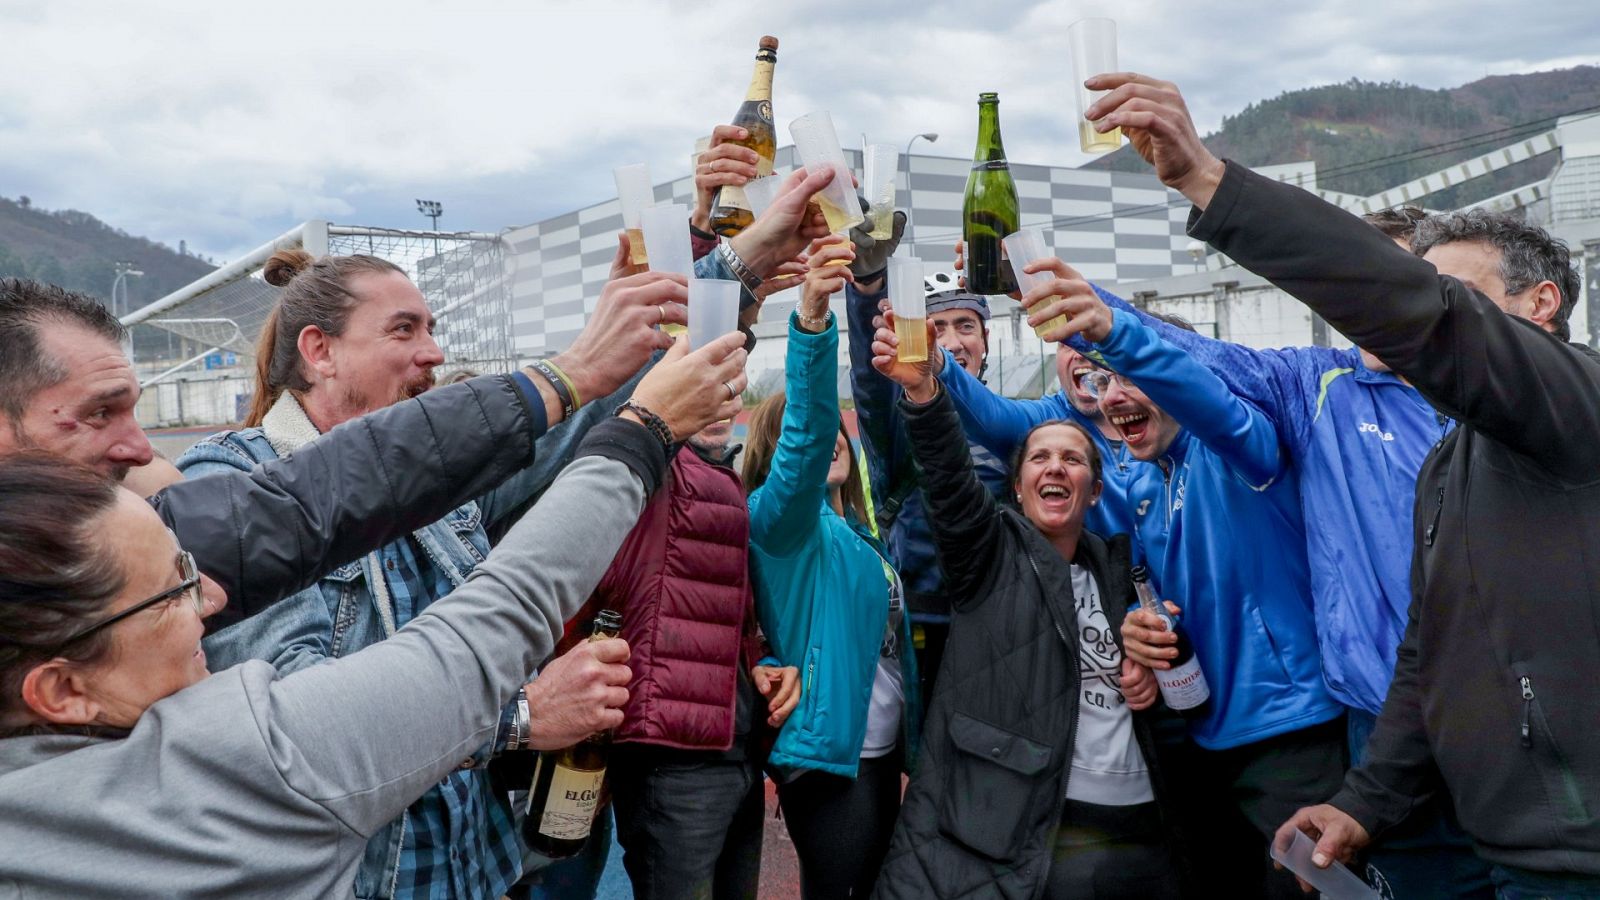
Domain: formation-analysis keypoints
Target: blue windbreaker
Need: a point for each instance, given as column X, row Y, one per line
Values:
column 1220, row 525
column 822, row 591
column 1357, row 439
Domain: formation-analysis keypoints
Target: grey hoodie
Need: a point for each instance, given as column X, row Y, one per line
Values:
column 251, row 784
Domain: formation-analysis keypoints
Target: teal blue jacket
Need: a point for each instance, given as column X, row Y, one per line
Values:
column 822, row 585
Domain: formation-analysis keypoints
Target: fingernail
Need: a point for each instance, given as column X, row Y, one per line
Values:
column 1320, row 860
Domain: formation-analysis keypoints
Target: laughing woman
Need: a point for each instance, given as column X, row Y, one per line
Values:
column 1036, row 778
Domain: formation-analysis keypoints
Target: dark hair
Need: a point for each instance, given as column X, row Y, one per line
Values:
column 1528, row 254
column 56, row 572
column 25, row 368
column 1397, row 223
column 1022, row 447
column 315, row 292
column 766, row 423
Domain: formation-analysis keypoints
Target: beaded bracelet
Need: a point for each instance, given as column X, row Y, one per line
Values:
column 559, row 384
column 656, row 425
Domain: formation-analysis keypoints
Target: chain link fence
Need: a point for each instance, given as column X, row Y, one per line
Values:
column 215, row 321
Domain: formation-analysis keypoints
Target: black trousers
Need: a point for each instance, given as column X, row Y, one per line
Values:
column 689, row 830
column 1230, row 802
column 1112, row 853
column 841, row 828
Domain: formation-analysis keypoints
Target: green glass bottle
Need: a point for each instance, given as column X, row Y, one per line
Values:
column 990, row 210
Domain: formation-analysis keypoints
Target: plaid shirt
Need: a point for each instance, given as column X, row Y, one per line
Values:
column 461, row 838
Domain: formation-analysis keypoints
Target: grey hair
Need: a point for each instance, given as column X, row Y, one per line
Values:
column 1528, row 254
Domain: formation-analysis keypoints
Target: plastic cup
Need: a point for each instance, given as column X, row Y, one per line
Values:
column 910, row 305
column 701, row 145
column 1022, row 247
column 713, row 309
column 634, row 194
column 1092, row 44
column 1335, row 882
column 761, row 192
column 666, row 235
column 878, row 171
column 818, row 146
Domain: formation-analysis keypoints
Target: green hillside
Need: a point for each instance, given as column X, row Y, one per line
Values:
column 79, row 252
column 1344, row 127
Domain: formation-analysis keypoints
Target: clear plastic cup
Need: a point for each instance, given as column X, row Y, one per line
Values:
column 761, row 192
column 910, row 304
column 878, row 173
column 1335, row 882
column 701, row 145
column 713, row 309
column 634, row 194
column 818, row 146
column 1022, row 247
column 666, row 235
column 1092, row 44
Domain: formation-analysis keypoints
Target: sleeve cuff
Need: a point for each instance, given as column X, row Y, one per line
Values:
column 533, row 400
column 1204, row 225
column 630, row 444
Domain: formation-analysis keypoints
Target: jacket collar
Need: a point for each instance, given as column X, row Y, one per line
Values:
column 286, row 426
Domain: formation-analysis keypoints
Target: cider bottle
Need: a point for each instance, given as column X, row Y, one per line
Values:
column 730, row 208
column 568, row 786
column 990, row 210
column 1183, row 687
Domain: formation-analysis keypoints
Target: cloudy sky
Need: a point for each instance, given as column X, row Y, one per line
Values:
column 225, row 123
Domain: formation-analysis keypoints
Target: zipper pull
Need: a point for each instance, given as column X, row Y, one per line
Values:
column 1427, row 536
column 1527, row 711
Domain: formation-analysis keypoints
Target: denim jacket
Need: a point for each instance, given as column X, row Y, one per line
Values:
column 342, row 613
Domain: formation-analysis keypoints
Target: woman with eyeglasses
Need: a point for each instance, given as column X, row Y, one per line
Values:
column 126, row 769
column 1037, row 778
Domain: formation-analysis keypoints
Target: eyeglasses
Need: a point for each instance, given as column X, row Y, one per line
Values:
column 190, row 584
column 1097, row 383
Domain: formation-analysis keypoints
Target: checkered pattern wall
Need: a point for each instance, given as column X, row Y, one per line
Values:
column 1113, row 226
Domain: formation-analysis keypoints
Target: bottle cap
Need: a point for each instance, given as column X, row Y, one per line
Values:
column 1140, row 573
column 768, row 42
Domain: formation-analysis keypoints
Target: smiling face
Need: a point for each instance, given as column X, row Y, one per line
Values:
column 1145, row 428
column 87, row 416
column 1055, row 481
column 155, row 652
column 386, row 352
column 1071, row 367
column 961, row 332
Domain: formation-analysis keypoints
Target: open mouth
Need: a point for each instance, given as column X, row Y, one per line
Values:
column 1053, row 496
column 1133, row 425
column 1077, row 378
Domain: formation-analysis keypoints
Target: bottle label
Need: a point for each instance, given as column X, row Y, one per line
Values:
column 1184, row 686
column 765, row 111
column 732, row 196
column 570, row 806
column 990, row 165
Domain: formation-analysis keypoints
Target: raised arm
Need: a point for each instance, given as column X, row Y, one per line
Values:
column 1502, row 375
column 889, row 463
column 996, row 422
column 788, row 506
column 268, row 532
column 1194, row 396
column 467, row 655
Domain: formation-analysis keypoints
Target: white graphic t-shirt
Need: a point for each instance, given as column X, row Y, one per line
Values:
column 1107, row 767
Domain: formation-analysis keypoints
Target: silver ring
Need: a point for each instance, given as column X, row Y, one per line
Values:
column 731, row 392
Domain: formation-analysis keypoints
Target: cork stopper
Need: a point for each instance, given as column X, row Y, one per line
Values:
column 769, row 42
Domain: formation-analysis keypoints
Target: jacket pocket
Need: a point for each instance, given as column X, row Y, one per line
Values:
column 1562, row 783
column 808, row 689
column 992, row 789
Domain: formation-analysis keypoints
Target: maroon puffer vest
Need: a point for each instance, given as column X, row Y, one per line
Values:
column 682, row 583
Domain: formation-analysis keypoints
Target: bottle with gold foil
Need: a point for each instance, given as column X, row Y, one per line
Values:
column 730, row 209
column 990, row 210
column 568, row 788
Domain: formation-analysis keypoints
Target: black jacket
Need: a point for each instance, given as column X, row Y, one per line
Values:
column 980, row 816
column 269, row 532
column 1494, row 692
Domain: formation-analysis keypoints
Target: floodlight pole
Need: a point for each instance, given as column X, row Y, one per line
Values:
column 433, row 209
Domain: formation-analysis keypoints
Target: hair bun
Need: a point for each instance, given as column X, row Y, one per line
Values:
column 284, row 265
